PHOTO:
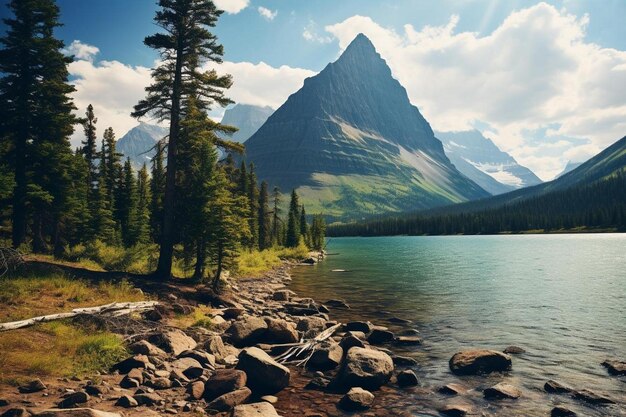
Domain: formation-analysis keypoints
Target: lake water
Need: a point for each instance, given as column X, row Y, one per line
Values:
column 560, row 297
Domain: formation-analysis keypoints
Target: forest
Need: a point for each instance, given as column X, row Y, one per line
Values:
column 599, row 205
column 197, row 212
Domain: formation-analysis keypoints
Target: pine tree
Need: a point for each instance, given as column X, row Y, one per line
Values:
column 304, row 228
column 184, row 46
column 253, row 206
column 37, row 116
column 143, row 205
column 157, row 190
column 127, row 205
column 318, row 232
column 265, row 227
column 292, row 239
column 277, row 234
column 90, row 153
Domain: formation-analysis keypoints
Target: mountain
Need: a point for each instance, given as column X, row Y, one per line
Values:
column 483, row 162
column 590, row 197
column 570, row 166
column 247, row 118
column 352, row 144
column 138, row 143
column 606, row 164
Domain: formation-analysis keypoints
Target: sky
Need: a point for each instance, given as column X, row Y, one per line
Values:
column 546, row 81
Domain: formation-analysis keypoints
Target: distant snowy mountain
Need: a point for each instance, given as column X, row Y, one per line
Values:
column 570, row 166
column 247, row 118
column 478, row 158
column 138, row 143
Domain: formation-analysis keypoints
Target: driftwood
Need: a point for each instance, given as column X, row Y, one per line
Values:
column 305, row 347
column 111, row 310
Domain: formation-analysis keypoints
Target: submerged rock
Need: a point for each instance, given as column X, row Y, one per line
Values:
column 514, row 350
column 337, row 304
column 502, row 390
column 407, row 378
column 593, row 397
column 327, row 356
column 615, row 367
column 408, row 340
column 456, row 410
column 453, row 389
column 470, row 362
column 366, row 368
column 265, row 375
column 560, row 411
column 356, row 399
column 555, row 387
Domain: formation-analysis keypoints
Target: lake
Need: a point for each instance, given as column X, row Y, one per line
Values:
column 560, row 297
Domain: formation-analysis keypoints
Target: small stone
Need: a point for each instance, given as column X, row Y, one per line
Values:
column 358, row 326
column 407, row 378
column 282, row 295
column 33, row 386
column 408, row 340
column 470, row 362
column 456, row 410
column 514, row 350
column 229, row 400
column 556, row 387
column 326, row 356
column 380, row 336
column 170, row 411
column 356, row 399
column 74, row 399
column 269, row 399
column 129, row 383
column 262, row 409
column 318, row 383
column 502, row 390
column 3, row 402
column 350, row 341
column 560, row 411
column 453, row 389
column 195, row 390
column 126, row 401
column 223, row 381
column 97, row 390
column 16, row 412
column 615, row 367
column 137, row 361
column 160, row 383
column 337, row 304
column 143, row 347
column 592, row 397
column 148, row 399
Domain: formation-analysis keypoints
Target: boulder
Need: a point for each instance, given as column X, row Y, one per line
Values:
column 32, row 386
column 366, row 368
column 316, row 324
column 470, row 362
column 247, row 331
column 223, row 381
column 215, row 346
column 593, row 397
column 281, row 295
column 380, row 336
column 16, row 412
column 514, row 350
column 233, row 312
column 350, row 341
column 229, row 400
column 160, row 383
column 456, row 410
column 407, row 378
column 73, row 399
column 195, row 390
column 126, row 401
column 205, row 359
column 76, row 412
column 615, row 367
column 173, row 341
column 182, row 364
column 134, row 362
column 148, row 398
column 358, row 326
column 555, row 387
column 327, row 356
column 143, row 347
column 560, row 411
column 356, row 399
column 262, row 409
column 280, row 331
column 502, row 390
column 265, row 375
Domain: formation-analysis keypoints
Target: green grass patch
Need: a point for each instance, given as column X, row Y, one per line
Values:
column 256, row 262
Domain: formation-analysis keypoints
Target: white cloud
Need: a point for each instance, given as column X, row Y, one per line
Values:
column 81, row 50
column 311, row 34
column 267, row 13
column 535, row 71
column 231, row 6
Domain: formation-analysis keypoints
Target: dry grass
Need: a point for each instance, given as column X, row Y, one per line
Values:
column 197, row 318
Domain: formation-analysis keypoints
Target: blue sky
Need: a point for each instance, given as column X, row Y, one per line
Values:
column 546, row 81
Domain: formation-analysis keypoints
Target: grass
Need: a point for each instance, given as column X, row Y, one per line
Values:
column 197, row 318
column 56, row 349
column 252, row 263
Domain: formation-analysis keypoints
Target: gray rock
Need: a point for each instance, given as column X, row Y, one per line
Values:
column 233, row 313
column 357, row 399
column 556, row 387
column 306, row 324
column 143, row 347
column 160, row 383
column 32, row 386
column 173, row 341
column 229, row 400
column 366, row 368
column 205, row 359
column 470, row 362
column 593, row 397
column 126, row 401
column 262, row 409
column 380, row 336
column 502, row 390
column 215, row 346
column 223, row 381
column 358, row 326
column 280, row 331
column 149, row 398
column 281, row 295
column 403, row 361
column 265, row 375
column 514, row 350
column 407, row 378
column 195, row 390
column 327, row 356
column 247, row 330
column 350, row 341
column 408, row 340
column 134, row 362
column 453, row 389
column 337, row 304
column 615, row 367
column 71, row 400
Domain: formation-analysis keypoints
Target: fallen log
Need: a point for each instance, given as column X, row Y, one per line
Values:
column 112, row 309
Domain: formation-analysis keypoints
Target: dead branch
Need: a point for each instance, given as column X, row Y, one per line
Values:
column 305, row 347
column 112, row 310
column 10, row 259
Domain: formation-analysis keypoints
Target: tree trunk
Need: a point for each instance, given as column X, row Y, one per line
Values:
column 198, row 273
column 20, row 189
column 39, row 244
column 166, row 252
column 218, row 273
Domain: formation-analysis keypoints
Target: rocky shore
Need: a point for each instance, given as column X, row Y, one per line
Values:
column 267, row 353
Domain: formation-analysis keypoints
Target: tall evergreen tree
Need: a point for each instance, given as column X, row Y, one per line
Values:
column 265, row 227
column 277, row 235
column 292, row 239
column 127, row 205
column 185, row 45
column 253, row 205
column 90, row 153
column 304, row 227
column 143, row 205
column 37, row 113
column 157, row 190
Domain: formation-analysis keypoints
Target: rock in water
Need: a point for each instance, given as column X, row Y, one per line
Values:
column 556, row 387
column 453, row 389
column 560, row 411
column 265, row 375
column 366, row 368
column 357, row 399
column 407, row 378
column 514, row 350
column 380, row 336
column 262, row 409
column 456, row 410
column 502, row 390
column 592, row 397
column 615, row 367
column 471, row 362
column 326, row 356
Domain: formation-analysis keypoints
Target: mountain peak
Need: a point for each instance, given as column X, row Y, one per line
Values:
column 360, row 47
